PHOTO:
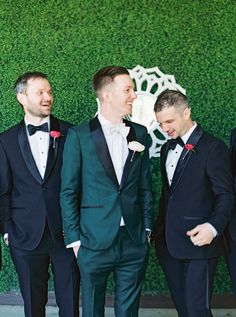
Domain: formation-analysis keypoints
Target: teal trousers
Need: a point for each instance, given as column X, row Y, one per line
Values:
column 127, row 261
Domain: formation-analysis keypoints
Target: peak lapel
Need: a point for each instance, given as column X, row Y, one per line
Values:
column 164, row 153
column 102, row 148
column 185, row 156
column 52, row 151
column 130, row 137
column 26, row 152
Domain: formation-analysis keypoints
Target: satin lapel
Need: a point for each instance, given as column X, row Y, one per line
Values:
column 102, row 148
column 52, row 151
column 185, row 156
column 164, row 153
column 128, row 163
column 26, row 152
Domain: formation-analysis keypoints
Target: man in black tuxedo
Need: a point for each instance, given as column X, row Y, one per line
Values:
column 230, row 233
column 31, row 159
column 195, row 205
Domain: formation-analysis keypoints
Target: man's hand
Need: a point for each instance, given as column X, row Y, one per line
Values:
column 201, row 235
column 76, row 250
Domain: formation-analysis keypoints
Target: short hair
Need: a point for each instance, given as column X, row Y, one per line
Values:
column 106, row 75
column 21, row 82
column 171, row 98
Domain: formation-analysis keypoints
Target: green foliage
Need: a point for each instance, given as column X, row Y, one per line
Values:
column 71, row 39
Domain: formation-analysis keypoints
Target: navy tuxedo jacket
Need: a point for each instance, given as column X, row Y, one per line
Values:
column 232, row 223
column 27, row 201
column 201, row 191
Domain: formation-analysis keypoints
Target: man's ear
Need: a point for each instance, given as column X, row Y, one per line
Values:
column 187, row 113
column 21, row 98
column 106, row 95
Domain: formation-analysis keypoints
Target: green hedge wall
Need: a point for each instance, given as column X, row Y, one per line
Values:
column 71, row 39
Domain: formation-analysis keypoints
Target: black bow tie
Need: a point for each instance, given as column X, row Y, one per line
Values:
column 173, row 142
column 32, row 128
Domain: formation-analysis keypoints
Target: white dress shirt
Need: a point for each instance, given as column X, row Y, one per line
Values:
column 174, row 155
column 39, row 144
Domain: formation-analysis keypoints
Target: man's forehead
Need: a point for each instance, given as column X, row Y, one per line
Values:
column 167, row 113
column 38, row 82
column 124, row 79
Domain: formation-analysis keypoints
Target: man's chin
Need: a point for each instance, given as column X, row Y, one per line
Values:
column 173, row 136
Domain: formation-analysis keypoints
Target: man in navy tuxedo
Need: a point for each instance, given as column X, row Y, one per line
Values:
column 230, row 233
column 195, row 205
column 31, row 159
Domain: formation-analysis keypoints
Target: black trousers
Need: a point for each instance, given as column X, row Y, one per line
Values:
column 32, row 269
column 190, row 282
column 230, row 255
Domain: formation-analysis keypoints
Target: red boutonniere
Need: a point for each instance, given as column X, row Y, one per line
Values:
column 188, row 147
column 55, row 135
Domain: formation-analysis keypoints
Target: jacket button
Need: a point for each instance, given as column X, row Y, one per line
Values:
column 44, row 188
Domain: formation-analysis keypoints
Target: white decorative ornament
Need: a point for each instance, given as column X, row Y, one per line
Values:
column 150, row 83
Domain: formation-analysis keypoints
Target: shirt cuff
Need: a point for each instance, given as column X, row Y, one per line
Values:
column 74, row 244
column 215, row 233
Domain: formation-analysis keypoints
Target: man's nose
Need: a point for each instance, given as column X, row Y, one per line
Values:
column 134, row 96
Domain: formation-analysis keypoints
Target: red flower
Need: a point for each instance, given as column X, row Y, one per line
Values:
column 189, row 147
column 55, row 135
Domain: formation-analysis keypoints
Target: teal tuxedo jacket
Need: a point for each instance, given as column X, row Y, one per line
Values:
column 92, row 200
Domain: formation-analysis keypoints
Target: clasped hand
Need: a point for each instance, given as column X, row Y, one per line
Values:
column 201, row 235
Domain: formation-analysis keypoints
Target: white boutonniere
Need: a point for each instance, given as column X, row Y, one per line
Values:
column 135, row 147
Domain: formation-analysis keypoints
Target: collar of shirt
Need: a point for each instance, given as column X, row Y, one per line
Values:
column 105, row 122
column 186, row 136
column 45, row 120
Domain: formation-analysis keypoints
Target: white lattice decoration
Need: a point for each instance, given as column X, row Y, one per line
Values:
column 151, row 82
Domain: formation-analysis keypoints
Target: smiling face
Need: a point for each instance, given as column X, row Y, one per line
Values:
column 117, row 98
column 121, row 95
column 174, row 122
column 37, row 99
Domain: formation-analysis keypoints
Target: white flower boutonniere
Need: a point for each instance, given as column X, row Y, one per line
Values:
column 135, row 147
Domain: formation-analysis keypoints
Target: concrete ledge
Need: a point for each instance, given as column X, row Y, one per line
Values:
column 147, row 301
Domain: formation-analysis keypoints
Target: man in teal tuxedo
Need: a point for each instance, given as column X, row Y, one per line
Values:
column 106, row 197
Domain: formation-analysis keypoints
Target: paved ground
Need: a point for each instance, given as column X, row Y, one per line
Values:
column 17, row 311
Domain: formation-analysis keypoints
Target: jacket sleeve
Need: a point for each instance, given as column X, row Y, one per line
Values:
column 145, row 187
column 71, row 188
column 219, row 174
column 5, row 191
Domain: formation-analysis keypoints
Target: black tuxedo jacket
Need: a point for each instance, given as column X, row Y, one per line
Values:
column 232, row 223
column 27, row 200
column 201, row 191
